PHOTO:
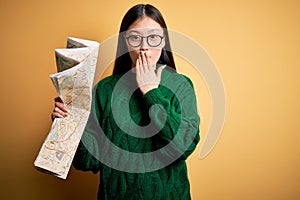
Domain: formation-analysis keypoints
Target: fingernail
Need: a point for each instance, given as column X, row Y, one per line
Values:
column 65, row 115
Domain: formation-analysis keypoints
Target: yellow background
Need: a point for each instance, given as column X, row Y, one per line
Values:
column 256, row 46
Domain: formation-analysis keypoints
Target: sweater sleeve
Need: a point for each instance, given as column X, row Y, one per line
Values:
column 87, row 154
column 180, row 128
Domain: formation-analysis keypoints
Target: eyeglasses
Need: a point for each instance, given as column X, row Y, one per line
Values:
column 153, row 40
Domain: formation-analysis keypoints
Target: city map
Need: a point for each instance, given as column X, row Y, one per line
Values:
column 76, row 68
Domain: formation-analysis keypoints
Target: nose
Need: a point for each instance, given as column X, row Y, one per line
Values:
column 144, row 45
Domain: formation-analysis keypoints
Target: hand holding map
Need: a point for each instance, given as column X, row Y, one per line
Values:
column 76, row 68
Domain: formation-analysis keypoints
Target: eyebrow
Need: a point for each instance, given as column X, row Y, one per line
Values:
column 133, row 31
column 149, row 31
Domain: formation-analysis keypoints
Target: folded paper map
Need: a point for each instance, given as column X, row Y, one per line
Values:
column 76, row 68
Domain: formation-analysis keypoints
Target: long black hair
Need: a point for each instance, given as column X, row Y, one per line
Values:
column 123, row 61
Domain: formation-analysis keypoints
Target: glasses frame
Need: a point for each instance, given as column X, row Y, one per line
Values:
column 147, row 40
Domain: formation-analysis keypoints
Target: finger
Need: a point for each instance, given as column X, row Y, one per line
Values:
column 145, row 63
column 61, row 106
column 59, row 103
column 59, row 112
column 159, row 71
column 56, row 115
column 149, row 64
column 141, row 67
column 137, row 66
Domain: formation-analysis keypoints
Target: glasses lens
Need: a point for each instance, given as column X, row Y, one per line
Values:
column 154, row 40
column 134, row 40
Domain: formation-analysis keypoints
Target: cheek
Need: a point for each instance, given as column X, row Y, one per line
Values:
column 155, row 54
column 133, row 55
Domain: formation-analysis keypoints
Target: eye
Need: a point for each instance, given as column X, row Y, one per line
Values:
column 135, row 37
column 153, row 37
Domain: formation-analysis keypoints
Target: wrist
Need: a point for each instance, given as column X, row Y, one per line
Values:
column 147, row 88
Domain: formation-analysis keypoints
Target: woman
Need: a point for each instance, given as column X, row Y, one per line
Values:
column 162, row 117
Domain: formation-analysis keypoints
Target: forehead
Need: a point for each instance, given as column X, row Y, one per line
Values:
column 144, row 25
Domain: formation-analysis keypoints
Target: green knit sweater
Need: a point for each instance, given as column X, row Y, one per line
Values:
column 113, row 130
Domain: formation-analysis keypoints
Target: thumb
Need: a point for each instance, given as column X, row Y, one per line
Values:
column 159, row 70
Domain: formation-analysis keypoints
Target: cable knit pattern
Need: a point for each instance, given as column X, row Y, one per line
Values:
column 181, row 120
